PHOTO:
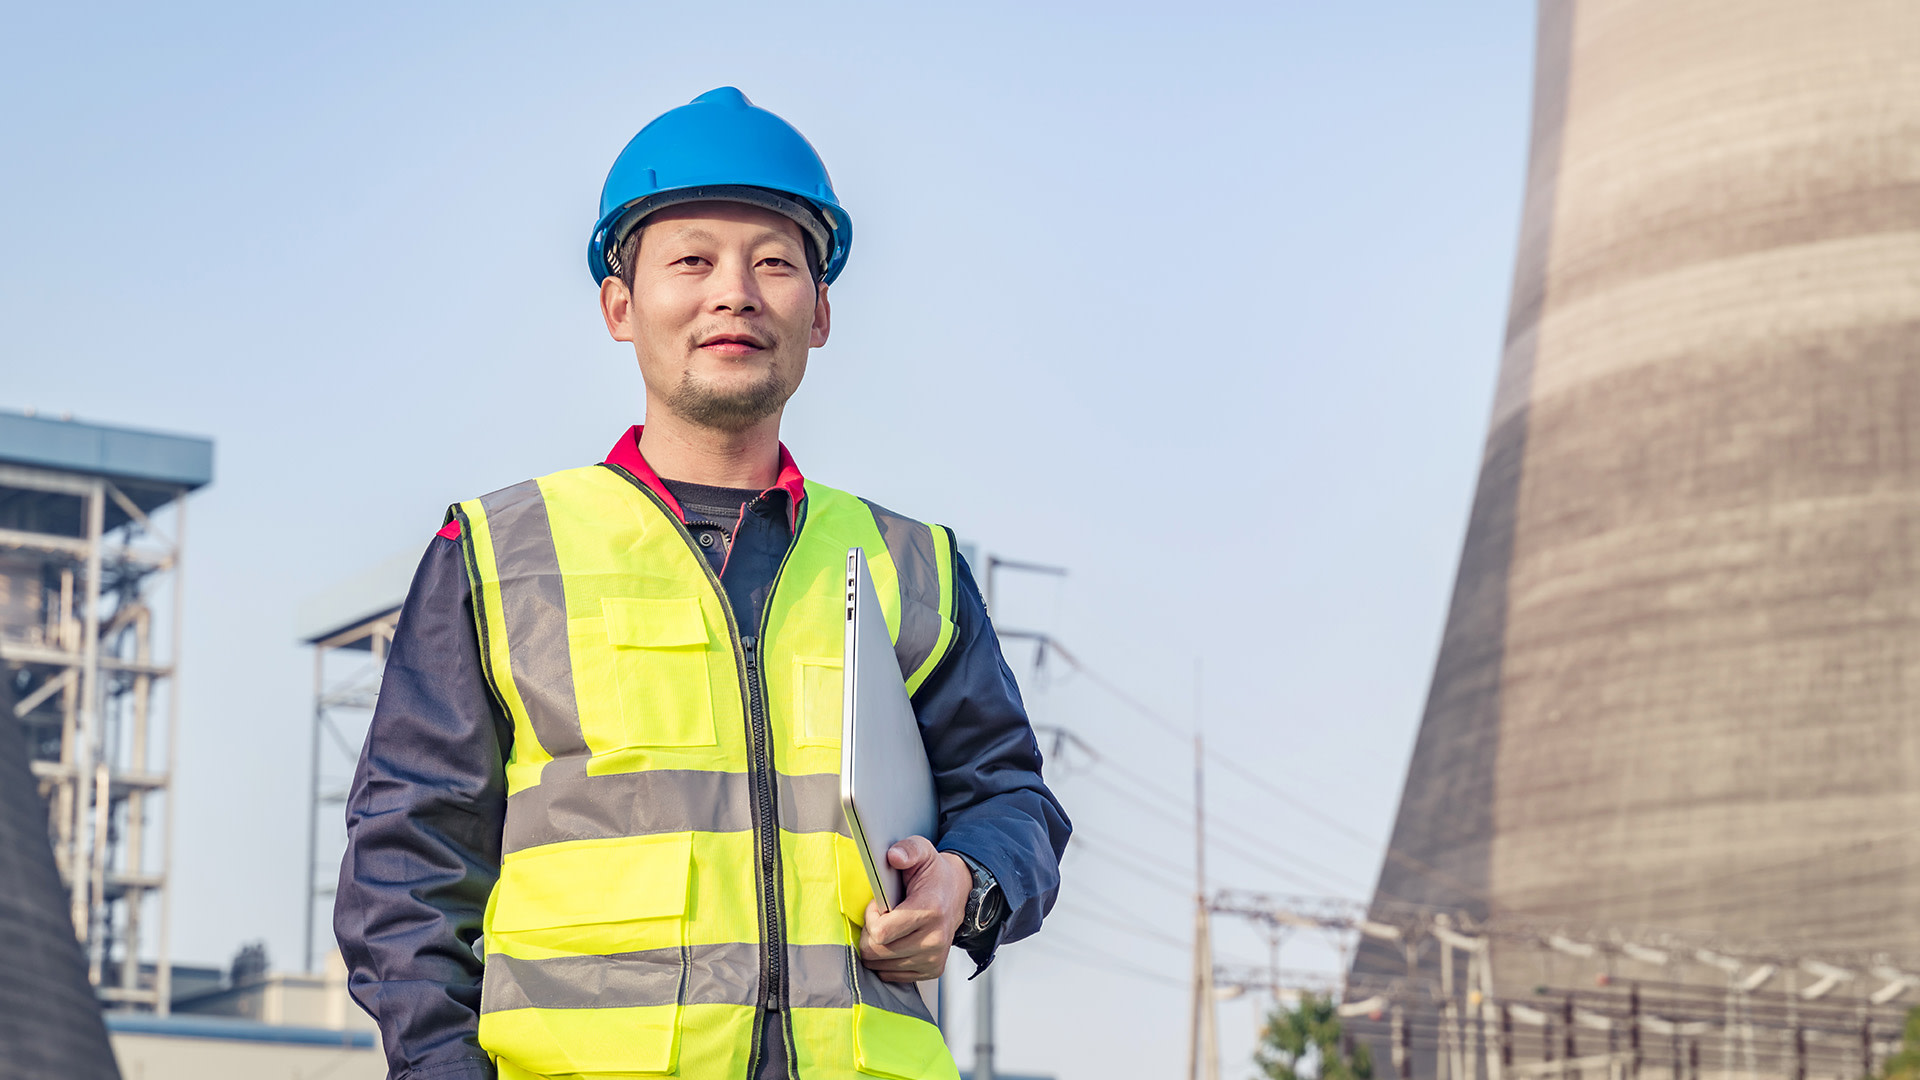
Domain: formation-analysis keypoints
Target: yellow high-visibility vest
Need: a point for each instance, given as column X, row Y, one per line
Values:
column 674, row 844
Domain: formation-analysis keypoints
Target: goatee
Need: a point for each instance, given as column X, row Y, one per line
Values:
column 731, row 411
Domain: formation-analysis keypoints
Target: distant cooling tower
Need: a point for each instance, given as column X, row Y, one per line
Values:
column 1679, row 684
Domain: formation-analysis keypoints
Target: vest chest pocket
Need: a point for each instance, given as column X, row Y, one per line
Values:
column 818, row 697
column 661, row 663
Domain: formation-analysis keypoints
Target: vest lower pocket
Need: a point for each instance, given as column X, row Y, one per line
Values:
column 586, row 958
column 899, row 1047
column 592, row 896
column 662, row 667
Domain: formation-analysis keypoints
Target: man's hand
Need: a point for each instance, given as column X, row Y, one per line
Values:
column 910, row 942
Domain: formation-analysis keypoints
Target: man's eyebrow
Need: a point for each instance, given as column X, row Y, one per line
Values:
column 694, row 232
column 697, row 234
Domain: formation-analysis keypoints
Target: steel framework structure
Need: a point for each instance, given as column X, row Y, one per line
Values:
column 1626, row 1004
column 348, row 659
column 90, row 589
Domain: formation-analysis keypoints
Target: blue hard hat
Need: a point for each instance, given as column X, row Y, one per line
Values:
column 721, row 146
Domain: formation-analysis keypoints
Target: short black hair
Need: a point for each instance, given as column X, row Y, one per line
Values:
column 628, row 254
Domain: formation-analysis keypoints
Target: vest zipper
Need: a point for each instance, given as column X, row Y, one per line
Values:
column 760, row 769
column 773, row 962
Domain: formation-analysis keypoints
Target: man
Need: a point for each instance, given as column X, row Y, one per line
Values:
column 595, row 830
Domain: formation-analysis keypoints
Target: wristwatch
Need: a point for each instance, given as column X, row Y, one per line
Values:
column 986, row 904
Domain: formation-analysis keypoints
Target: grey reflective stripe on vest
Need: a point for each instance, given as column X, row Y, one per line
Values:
column 533, row 604
column 697, row 975
column 893, row 997
column 663, row 801
column 917, row 562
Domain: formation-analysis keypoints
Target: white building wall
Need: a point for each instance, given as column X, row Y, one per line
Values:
column 166, row 1057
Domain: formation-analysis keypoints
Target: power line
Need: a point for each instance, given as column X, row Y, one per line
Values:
column 1263, row 783
column 1104, row 683
column 1423, row 869
column 1180, row 817
column 1272, row 789
column 1125, row 926
column 1133, row 868
column 1326, row 878
column 1103, row 962
column 1144, row 856
column 1313, row 867
column 1267, row 866
column 1143, row 784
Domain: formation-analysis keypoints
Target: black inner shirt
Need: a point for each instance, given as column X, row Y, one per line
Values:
column 744, row 535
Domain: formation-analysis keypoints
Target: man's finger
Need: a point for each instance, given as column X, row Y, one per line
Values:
column 890, row 926
column 909, row 853
column 905, row 942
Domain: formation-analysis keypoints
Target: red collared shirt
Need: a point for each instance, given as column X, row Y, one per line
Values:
column 626, row 454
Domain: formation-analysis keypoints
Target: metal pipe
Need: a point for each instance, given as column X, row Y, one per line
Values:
column 79, row 868
column 163, row 969
column 137, row 800
column 313, row 808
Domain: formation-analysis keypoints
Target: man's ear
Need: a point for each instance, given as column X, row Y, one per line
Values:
column 616, row 307
column 822, row 319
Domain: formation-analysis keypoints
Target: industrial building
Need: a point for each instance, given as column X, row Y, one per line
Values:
column 1670, row 738
column 254, row 1026
column 92, row 531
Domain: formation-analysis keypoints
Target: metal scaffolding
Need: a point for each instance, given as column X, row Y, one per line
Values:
column 92, row 530
column 1623, row 1003
column 350, row 628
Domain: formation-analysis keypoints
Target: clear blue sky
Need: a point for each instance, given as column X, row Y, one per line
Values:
column 1201, row 301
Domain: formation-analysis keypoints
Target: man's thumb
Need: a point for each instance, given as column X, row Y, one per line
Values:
column 909, row 853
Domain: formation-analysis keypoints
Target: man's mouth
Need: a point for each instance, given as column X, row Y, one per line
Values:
column 733, row 344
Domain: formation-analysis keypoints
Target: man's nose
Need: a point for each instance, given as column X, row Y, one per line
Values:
column 735, row 289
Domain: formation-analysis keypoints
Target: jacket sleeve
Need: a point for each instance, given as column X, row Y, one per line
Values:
column 994, row 806
column 424, row 821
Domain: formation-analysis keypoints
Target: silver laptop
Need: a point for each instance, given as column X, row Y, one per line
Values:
column 886, row 785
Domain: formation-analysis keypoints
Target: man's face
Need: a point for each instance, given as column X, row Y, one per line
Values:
column 721, row 313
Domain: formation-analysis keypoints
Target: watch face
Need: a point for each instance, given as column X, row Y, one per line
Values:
column 985, row 902
column 986, row 909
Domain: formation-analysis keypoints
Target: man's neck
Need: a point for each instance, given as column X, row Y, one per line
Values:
column 678, row 450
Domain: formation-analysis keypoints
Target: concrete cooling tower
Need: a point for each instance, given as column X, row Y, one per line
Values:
column 1678, row 690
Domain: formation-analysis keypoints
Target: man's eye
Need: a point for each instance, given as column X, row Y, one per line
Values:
column 690, row 260
column 774, row 260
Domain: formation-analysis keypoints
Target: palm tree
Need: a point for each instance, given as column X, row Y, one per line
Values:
column 1303, row 1043
column 1905, row 1064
